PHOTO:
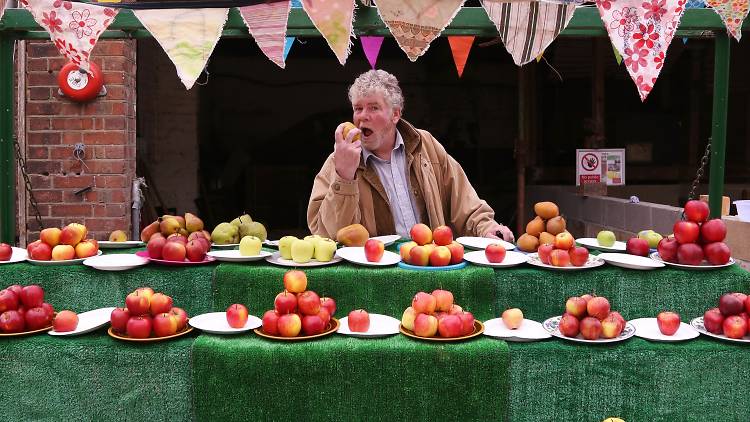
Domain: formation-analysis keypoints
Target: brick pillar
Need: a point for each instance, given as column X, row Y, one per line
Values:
column 106, row 127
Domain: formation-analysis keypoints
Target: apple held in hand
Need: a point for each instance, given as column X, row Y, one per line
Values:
column 374, row 249
column 442, row 236
column 236, row 315
column 495, row 253
column 637, row 246
column 295, row 281
column 668, row 322
column 6, row 251
column 512, row 318
column 696, row 211
column 686, row 231
column 359, row 321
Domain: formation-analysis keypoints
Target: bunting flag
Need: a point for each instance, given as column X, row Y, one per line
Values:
column 74, row 27
column 371, row 46
column 415, row 23
column 618, row 57
column 334, row 19
column 528, row 28
column 460, row 47
column 695, row 4
column 188, row 36
column 288, row 46
column 641, row 31
column 2, row 8
column 732, row 12
column 267, row 24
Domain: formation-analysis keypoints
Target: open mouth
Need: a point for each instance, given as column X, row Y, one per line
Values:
column 366, row 131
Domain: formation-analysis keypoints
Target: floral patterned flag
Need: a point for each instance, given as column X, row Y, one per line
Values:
column 2, row 8
column 74, row 27
column 415, row 23
column 641, row 31
column 732, row 12
column 188, row 36
column 267, row 24
column 334, row 19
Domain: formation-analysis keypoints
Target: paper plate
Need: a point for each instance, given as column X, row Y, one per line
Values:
column 633, row 262
column 648, row 329
column 149, row 339
column 529, row 330
column 511, row 259
column 655, row 256
column 356, row 255
column 406, row 266
column 106, row 244
column 551, row 325
column 592, row 243
column 18, row 255
column 87, row 322
column 697, row 323
column 26, row 333
column 333, row 326
column 233, row 255
column 276, row 259
column 473, row 242
column 387, row 240
column 64, row 262
column 478, row 329
column 216, row 323
column 380, row 326
column 207, row 260
column 115, row 262
column 592, row 262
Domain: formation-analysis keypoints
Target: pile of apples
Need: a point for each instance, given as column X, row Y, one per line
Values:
column 730, row 318
column 541, row 230
column 148, row 314
column 297, row 310
column 304, row 250
column 562, row 252
column 435, row 314
column 431, row 247
column 696, row 238
column 56, row 244
column 591, row 317
column 24, row 309
column 178, row 239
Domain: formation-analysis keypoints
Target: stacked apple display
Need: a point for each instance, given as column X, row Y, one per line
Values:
column 147, row 314
column 305, row 250
column 696, row 238
column 730, row 318
column 431, row 247
column 298, row 310
column 63, row 244
column 435, row 314
column 591, row 317
column 24, row 309
column 547, row 224
column 177, row 239
column 562, row 252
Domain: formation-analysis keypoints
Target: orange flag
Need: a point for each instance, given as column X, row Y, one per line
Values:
column 460, row 47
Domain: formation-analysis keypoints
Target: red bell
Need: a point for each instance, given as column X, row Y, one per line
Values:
column 78, row 85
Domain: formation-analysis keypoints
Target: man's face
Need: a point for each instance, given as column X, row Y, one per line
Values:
column 376, row 119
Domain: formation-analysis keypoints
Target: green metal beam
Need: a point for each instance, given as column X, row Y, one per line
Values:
column 719, row 123
column 7, row 165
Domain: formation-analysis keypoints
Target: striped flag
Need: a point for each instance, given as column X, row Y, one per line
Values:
column 267, row 24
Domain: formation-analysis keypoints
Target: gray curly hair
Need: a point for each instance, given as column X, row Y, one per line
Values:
column 381, row 82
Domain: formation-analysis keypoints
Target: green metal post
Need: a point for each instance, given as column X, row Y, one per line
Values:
column 7, row 164
column 719, row 123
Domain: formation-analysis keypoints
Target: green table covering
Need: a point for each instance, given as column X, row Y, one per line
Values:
column 341, row 378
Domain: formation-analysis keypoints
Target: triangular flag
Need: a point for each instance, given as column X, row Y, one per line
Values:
column 287, row 46
column 618, row 56
column 371, row 45
column 2, row 8
column 733, row 13
column 188, row 36
column 416, row 23
column 684, row 40
column 334, row 19
column 74, row 27
column 539, row 57
column 641, row 31
column 528, row 28
column 460, row 47
column 267, row 24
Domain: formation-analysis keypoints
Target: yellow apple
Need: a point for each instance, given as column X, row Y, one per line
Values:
column 302, row 251
column 325, row 249
column 250, row 246
column 285, row 246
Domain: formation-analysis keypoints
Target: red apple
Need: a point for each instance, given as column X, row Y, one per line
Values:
column 637, row 246
column 146, row 291
column 324, row 315
column 164, row 324
column 160, row 303
column 139, row 326
column 405, row 251
column 308, row 303
column 49, row 310
column 467, row 322
column 598, row 307
column 359, row 321
column 741, row 296
column 611, row 327
column 155, row 246
column 686, row 231
column 587, row 297
column 591, row 328
column 137, row 303
column 181, row 316
column 619, row 318
column 578, row 256
column 457, row 252
column 576, row 306
column 12, row 322
column 295, row 281
column 312, row 325
column 270, row 322
column 559, row 258
column 734, row 327
column 285, row 303
column 443, row 300
column 696, row 211
column 730, row 304
column 690, row 254
column 63, row 253
column 667, row 249
column 713, row 321
column 425, row 325
column 421, row 234
column 713, row 231
column 545, row 252
column 86, row 248
column 564, row 241
column 569, row 325
column 442, row 235
column 495, row 253
column 39, row 251
column 717, row 253
column 8, row 301
column 17, row 289
column 440, row 256
column 329, row 304
column 374, row 250
column 37, row 318
column 176, row 237
column 6, row 251
column 50, row 236
column 424, row 303
column 455, row 310
column 668, row 322
column 195, row 251
column 72, row 234
column 419, row 255
column 32, row 296
column 747, row 305
column 289, row 325
column 173, row 251
column 119, row 319
column 236, row 315
column 450, row 326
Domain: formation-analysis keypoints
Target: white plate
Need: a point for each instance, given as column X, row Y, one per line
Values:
column 591, row 262
column 697, row 323
column 274, row 243
column 225, row 246
column 18, row 255
column 216, row 323
column 648, row 328
column 472, row 242
column 106, row 244
column 387, row 240
column 87, row 322
column 529, row 330
column 511, row 259
column 356, row 254
column 550, row 324
column 278, row 260
column 115, row 262
column 64, row 262
column 233, row 255
column 633, row 262
column 380, row 326
column 592, row 243
column 655, row 256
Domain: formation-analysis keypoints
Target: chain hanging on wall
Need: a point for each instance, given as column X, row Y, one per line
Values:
column 27, row 184
column 699, row 173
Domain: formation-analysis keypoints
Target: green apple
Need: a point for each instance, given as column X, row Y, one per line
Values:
column 302, row 251
column 653, row 239
column 324, row 249
column 285, row 246
column 605, row 238
column 250, row 246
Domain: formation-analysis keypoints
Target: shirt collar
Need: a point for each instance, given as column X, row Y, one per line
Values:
column 366, row 154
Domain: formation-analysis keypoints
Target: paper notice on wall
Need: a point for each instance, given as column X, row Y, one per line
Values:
column 600, row 166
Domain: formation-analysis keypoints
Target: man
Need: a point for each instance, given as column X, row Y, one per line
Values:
column 395, row 176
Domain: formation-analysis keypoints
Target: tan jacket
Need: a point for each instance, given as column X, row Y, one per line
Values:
column 440, row 187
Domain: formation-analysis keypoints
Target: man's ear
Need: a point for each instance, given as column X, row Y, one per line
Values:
column 396, row 115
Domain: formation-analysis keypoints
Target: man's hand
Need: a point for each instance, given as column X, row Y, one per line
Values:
column 504, row 231
column 346, row 153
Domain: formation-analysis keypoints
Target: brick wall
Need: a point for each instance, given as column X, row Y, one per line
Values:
column 106, row 126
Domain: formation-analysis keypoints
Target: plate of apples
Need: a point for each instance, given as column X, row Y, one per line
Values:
column 512, row 326
column 496, row 256
column 360, row 323
column 372, row 254
column 232, row 321
column 10, row 254
column 577, row 258
column 666, row 327
column 68, row 323
column 589, row 319
column 728, row 320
